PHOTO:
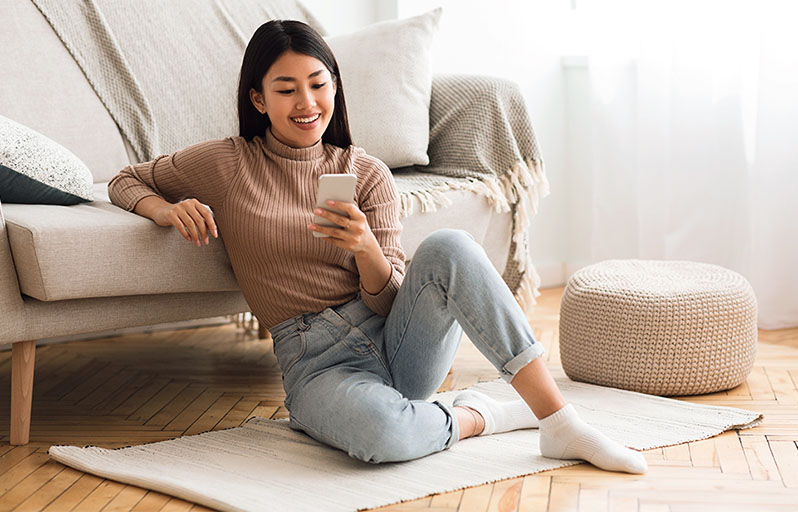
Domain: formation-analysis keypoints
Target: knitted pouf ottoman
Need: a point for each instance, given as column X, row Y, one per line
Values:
column 658, row 327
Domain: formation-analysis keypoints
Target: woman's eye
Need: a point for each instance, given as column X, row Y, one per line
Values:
column 316, row 86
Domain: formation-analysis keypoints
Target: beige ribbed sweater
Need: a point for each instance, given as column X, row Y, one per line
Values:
column 262, row 194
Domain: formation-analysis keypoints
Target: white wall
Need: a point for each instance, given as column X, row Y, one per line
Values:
column 349, row 15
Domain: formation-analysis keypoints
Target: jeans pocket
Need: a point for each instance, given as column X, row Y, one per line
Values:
column 289, row 349
column 359, row 343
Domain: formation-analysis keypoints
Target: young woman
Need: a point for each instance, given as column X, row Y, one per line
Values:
column 360, row 342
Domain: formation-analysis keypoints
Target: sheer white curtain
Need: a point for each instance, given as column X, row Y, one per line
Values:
column 690, row 138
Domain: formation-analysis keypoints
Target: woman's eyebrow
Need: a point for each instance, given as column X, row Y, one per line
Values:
column 292, row 79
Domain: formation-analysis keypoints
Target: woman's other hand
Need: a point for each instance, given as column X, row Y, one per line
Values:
column 354, row 234
column 191, row 218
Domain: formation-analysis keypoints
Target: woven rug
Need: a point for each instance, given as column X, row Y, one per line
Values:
column 264, row 465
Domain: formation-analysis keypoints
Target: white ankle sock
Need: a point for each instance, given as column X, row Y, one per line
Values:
column 564, row 435
column 499, row 416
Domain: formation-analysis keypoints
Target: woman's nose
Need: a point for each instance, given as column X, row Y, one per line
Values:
column 306, row 99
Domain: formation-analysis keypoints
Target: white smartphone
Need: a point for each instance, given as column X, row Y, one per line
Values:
column 335, row 187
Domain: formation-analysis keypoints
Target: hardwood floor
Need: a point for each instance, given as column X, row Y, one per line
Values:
column 134, row 389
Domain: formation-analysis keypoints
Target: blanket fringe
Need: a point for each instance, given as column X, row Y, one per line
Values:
column 432, row 198
column 523, row 185
column 528, row 288
column 525, row 181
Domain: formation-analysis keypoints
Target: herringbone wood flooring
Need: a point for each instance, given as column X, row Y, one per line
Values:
column 141, row 388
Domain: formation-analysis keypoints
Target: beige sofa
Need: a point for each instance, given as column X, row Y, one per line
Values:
column 67, row 270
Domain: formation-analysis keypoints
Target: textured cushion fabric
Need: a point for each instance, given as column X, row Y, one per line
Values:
column 658, row 327
column 110, row 252
column 99, row 250
column 37, row 170
column 386, row 70
column 44, row 89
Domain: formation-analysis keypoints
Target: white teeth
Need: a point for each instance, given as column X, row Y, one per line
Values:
column 306, row 120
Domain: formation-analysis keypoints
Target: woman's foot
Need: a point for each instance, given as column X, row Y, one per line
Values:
column 564, row 435
column 498, row 416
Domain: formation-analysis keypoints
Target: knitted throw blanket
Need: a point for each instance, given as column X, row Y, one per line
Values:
column 164, row 98
column 171, row 86
column 481, row 139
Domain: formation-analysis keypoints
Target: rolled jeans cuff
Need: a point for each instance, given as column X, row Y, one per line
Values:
column 524, row 358
column 455, row 424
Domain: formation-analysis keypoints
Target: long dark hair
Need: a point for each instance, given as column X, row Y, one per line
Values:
column 271, row 40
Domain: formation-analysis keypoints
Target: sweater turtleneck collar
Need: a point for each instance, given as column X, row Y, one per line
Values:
column 306, row 154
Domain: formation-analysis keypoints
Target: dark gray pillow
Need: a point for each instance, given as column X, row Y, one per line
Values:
column 36, row 169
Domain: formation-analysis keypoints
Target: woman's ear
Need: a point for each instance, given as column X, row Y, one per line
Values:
column 257, row 100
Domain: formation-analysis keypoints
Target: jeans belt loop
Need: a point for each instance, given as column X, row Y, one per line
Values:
column 303, row 326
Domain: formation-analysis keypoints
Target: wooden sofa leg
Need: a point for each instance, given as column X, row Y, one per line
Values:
column 23, row 355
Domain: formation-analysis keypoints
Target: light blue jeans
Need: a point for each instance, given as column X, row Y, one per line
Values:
column 359, row 382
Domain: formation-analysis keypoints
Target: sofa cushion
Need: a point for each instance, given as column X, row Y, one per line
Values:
column 36, row 169
column 100, row 250
column 386, row 70
column 468, row 211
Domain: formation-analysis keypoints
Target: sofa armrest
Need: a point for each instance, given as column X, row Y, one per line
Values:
column 12, row 310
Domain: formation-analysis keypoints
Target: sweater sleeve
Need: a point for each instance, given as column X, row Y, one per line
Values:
column 378, row 199
column 202, row 171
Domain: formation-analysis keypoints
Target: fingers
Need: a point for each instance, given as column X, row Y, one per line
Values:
column 351, row 209
column 353, row 213
column 336, row 218
column 190, row 227
column 195, row 211
column 178, row 224
column 209, row 220
column 353, row 221
column 334, row 232
column 193, row 220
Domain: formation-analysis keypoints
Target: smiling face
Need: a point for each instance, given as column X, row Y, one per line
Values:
column 299, row 98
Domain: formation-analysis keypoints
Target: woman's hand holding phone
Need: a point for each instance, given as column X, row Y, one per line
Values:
column 346, row 226
column 354, row 233
column 191, row 218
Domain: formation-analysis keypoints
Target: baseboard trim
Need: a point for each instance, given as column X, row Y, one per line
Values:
column 552, row 273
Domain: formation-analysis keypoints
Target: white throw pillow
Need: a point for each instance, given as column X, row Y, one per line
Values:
column 36, row 169
column 386, row 71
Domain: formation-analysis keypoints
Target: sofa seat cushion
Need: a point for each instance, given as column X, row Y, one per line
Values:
column 97, row 249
